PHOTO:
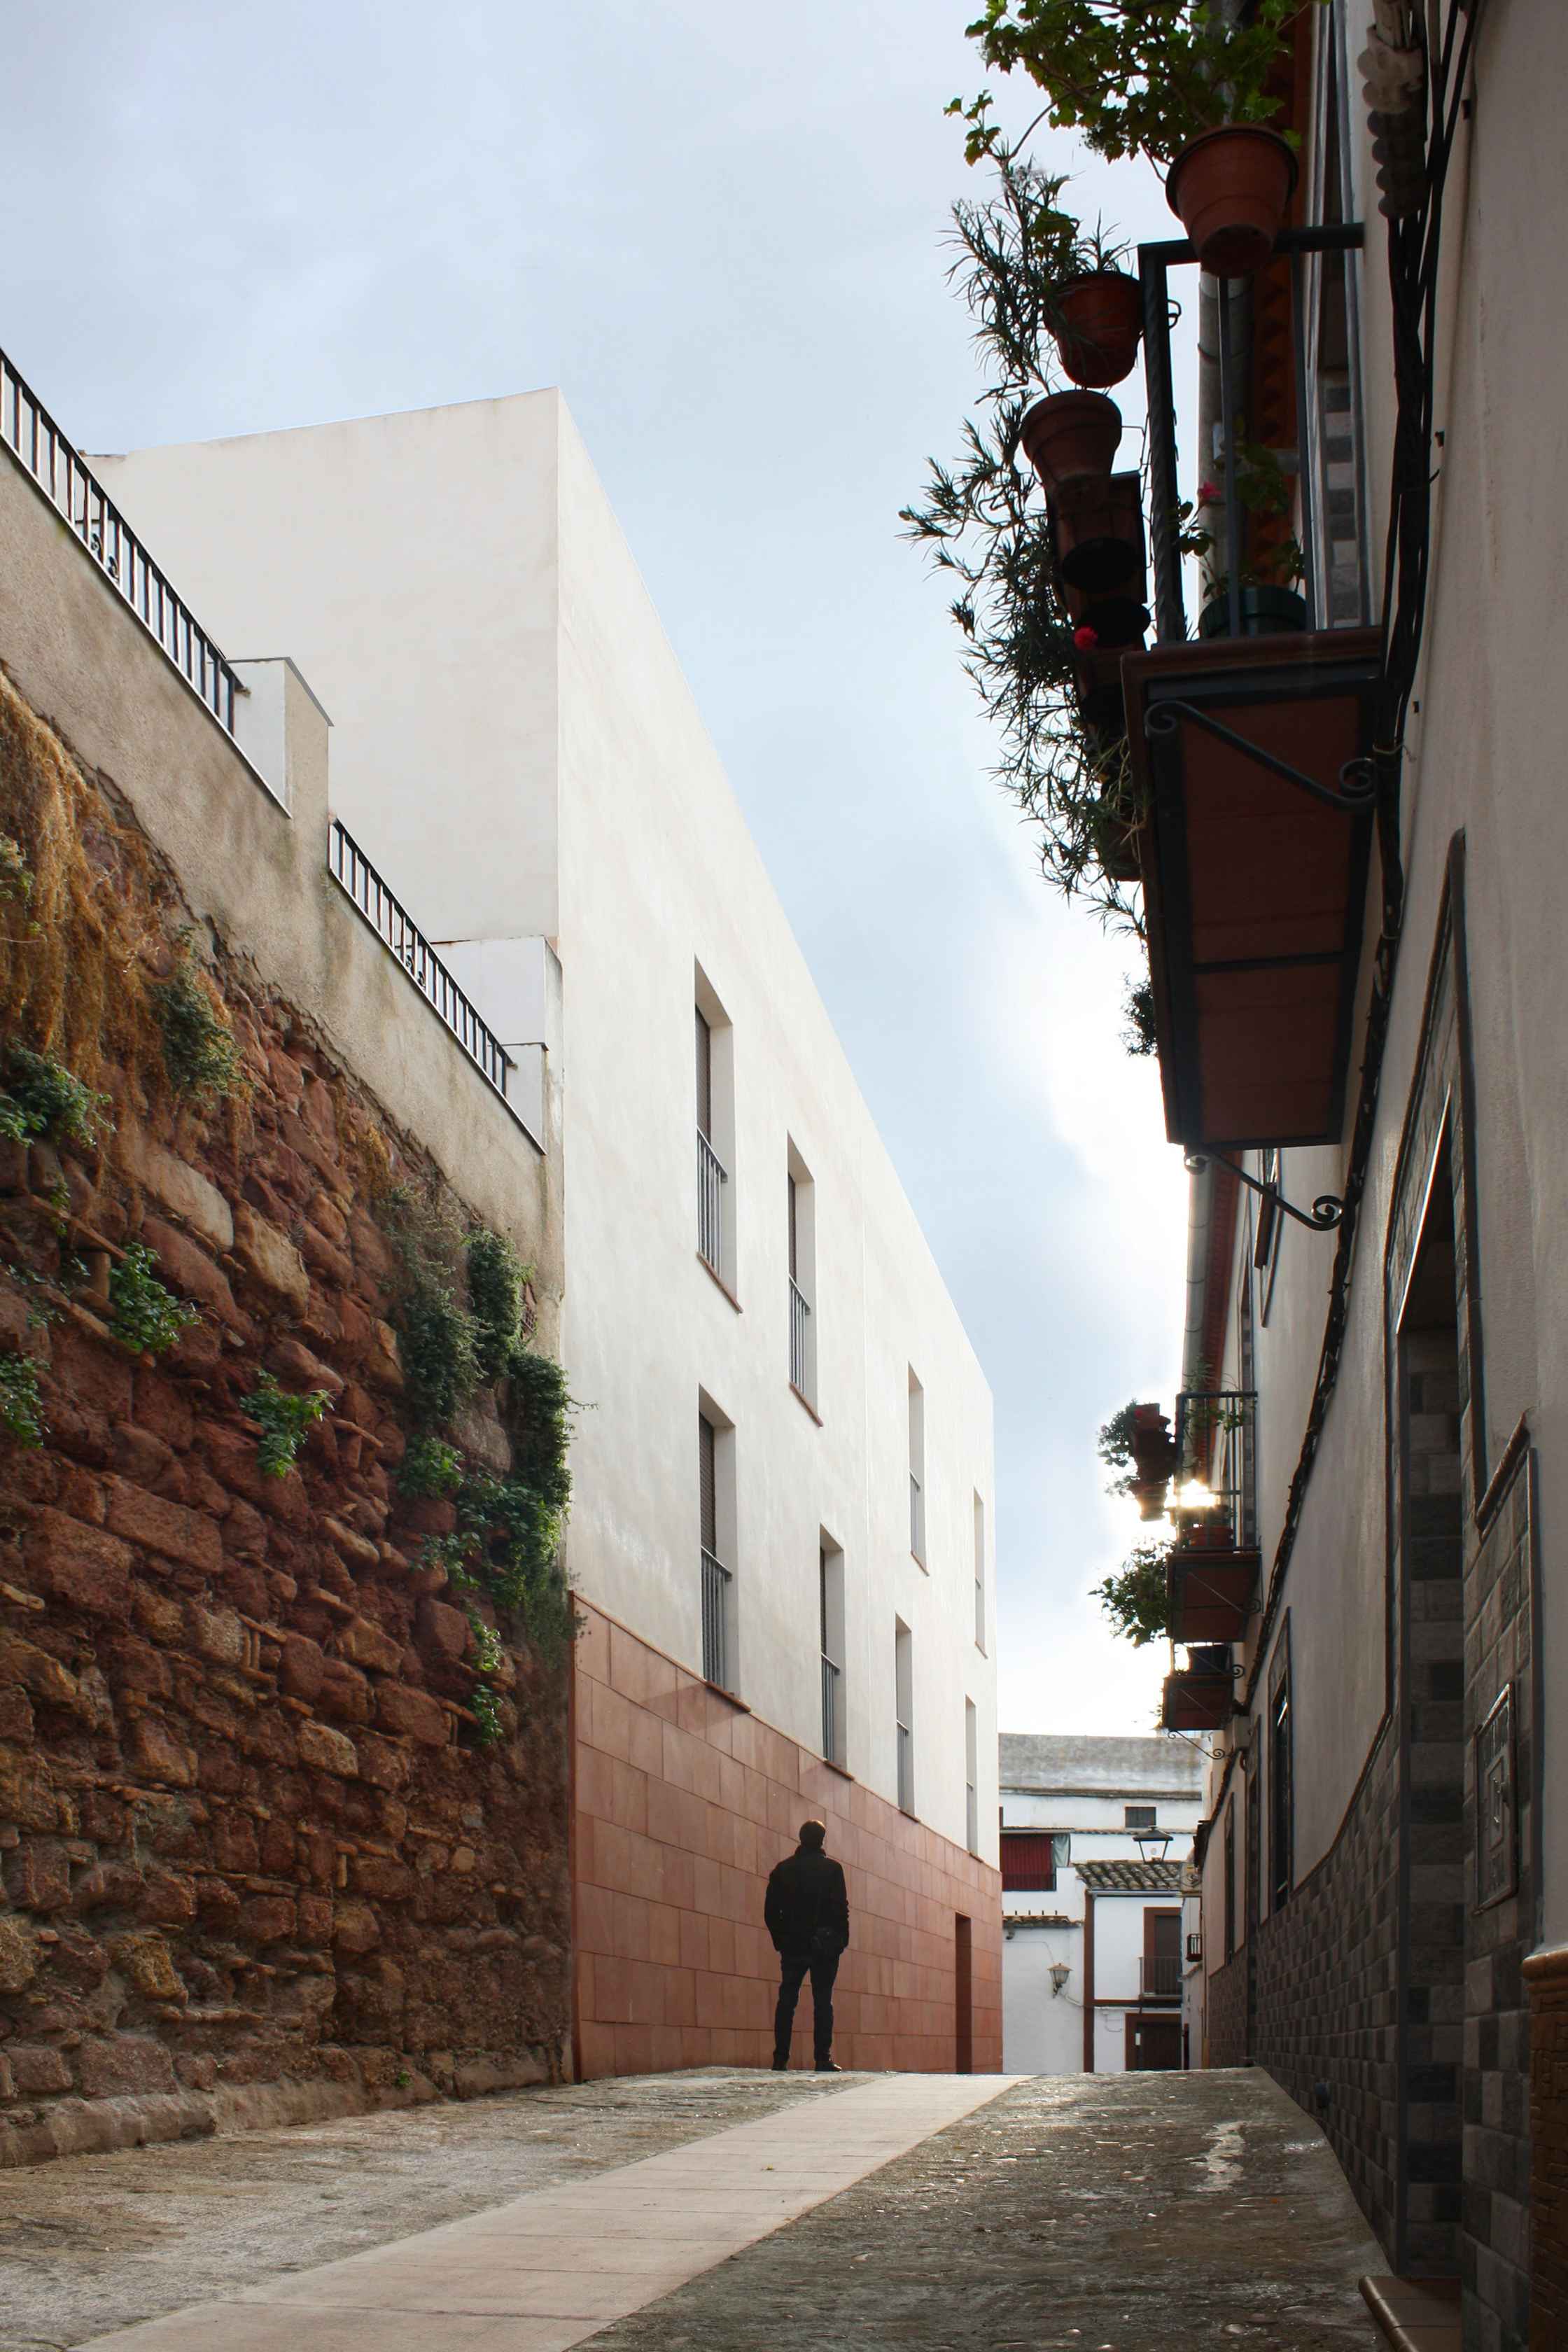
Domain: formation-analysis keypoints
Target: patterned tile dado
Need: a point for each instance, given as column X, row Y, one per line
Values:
column 683, row 1803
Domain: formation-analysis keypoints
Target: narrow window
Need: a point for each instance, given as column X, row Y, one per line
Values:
column 1030, row 1860
column 1281, row 1796
column 801, row 1210
column 971, row 1775
column 715, row 1476
column 1230, row 1880
column 979, row 1574
column 904, row 1713
column 830, row 1612
column 917, row 1470
column 715, row 1135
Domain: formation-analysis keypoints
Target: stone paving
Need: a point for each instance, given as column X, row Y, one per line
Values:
column 718, row 2212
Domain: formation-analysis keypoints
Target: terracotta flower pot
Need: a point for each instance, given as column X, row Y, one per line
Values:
column 1266, row 612
column 1070, row 438
column 1101, row 320
column 1099, row 534
column 1229, row 190
column 1117, row 621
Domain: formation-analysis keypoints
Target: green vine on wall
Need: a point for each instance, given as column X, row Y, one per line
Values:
column 286, row 1422
column 200, row 1052
column 22, row 1419
column 40, row 1097
column 145, row 1317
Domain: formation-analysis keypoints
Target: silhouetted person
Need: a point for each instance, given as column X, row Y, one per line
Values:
column 807, row 1916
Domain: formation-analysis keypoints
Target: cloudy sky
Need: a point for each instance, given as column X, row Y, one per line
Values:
column 718, row 229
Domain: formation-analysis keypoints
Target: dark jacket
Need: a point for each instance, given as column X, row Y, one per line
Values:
column 808, row 1907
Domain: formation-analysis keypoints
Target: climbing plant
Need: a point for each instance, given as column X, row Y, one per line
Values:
column 144, row 1316
column 41, row 1097
column 22, row 1419
column 286, row 1420
column 200, row 1052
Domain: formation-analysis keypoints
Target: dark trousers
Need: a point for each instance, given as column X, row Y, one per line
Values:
column 794, row 1967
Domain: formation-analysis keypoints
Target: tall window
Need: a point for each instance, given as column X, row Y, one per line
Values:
column 715, row 1134
column 715, row 1477
column 978, row 1573
column 904, row 1713
column 1031, row 1858
column 1281, row 1794
column 971, row 1775
column 1230, row 1880
column 917, row 1470
column 801, row 1210
column 830, row 1612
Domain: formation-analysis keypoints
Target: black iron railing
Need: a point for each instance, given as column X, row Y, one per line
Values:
column 830, row 1724
column 711, row 1178
column 349, row 865
column 1160, row 1977
column 715, row 1620
column 799, row 1339
column 1214, row 1440
column 1155, row 264
column 35, row 441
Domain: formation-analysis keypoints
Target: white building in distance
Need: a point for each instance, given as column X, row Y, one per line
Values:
column 781, row 1533
column 1094, row 1956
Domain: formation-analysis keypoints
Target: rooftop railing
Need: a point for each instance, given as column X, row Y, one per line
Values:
column 35, row 441
column 348, row 866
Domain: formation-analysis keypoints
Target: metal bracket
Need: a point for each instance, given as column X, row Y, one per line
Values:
column 1326, row 1210
column 1358, row 779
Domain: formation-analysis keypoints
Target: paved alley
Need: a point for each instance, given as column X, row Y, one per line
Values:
column 704, row 2211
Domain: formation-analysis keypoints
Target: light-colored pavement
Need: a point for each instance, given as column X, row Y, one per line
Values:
column 545, row 2270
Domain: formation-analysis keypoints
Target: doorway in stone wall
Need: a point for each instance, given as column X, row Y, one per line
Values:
column 1431, row 1680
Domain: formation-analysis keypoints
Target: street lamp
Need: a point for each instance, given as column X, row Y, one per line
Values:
column 1151, row 1844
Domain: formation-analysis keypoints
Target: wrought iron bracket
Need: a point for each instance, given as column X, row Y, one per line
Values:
column 1323, row 1216
column 1357, row 786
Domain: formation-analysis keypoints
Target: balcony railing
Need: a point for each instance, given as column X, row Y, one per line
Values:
column 972, row 1816
column 348, row 866
column 831, row 1727
column 799, row 1354
column 1214, row 1440
column 716, row 1580
column 35, row 441
column 712, row 1179
column 906, row 1768
column 1160, row 1979
column 917, row 1518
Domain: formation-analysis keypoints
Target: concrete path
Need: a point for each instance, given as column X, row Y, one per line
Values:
column 546, row 2271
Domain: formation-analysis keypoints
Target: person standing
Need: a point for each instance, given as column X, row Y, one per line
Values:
column 806, row 1913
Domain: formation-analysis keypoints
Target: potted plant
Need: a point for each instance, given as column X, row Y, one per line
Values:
column 1267, row 583
column 1099, row 527
column 1071, row 438
column 1181, row 83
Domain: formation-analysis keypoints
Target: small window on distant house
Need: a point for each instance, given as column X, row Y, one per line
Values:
column 1138, row 1816
column 1030, row 1860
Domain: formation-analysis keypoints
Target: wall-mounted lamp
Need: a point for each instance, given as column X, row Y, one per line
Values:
column 1060, row 1975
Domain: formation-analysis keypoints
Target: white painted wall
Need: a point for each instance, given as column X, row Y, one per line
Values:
column 519, row 753
column 1042, row 2028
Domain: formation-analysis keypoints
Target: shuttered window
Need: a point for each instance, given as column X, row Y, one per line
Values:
column 709, row 1485
column 1028, row 1861
column 704, row 1076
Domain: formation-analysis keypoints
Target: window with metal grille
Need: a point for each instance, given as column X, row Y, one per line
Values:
column 979, row 1574
column 800, row 1209
column 715, row 1108
column 716, row 1577
column 830, row 1620
column 917, row 1470
column 1029, row 1860
column 1138, row 1816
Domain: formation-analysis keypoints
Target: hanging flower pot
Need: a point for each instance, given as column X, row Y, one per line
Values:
column 1072, row 437
column 1117, row 622
column 1100, row 321
column 1266, row 612
column 1230, row 188
column 1099, row 534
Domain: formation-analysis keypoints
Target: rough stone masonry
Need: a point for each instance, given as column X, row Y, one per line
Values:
column 255, row 1866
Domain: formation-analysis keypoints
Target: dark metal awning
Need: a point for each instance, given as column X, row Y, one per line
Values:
column 1251, row 754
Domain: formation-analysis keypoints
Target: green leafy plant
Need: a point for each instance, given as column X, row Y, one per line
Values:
column 496, row 1279
column 1137, row 1598
column 199, row 1049
column 1268, row 495
column 981, row 523
column 22, row 1419
column 1138, row 1033
column 145, row 1317
column 41, row 1097
column 429, row 1466
column 484, row 1705
column 1133, row 75
column 286, row 1420
column 488, row 1651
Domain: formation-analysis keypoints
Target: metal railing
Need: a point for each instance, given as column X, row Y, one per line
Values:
column 906, row 1768
column 830, row 1724
column 716, row 1580
column 712, row 1179
column 1160, row 1979
column 353, row 870
column 1214, row 1438
column 35, row 441
column 917, row 1518
column 799, row 1317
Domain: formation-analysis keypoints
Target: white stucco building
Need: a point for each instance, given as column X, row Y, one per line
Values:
column 784, row 1477
column 1094, row 1956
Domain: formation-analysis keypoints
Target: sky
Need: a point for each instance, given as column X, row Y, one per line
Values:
column 720, row 231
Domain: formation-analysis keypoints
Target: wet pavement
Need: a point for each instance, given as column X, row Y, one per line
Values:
column 718, row 2211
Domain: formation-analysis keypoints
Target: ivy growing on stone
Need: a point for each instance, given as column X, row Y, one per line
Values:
column 145, row 1317
column 41, row 1097
column 200, row 1053
column 431, row 1467
column 22, row 1419
column 496, row 1279
column 286, row 1420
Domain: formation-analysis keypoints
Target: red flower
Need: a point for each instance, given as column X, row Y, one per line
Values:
column 1207, row 493
column 1086, row 638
